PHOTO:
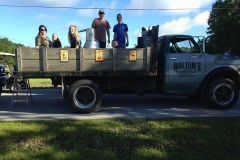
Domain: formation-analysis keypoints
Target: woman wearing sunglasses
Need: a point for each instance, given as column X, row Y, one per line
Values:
column 42, row 39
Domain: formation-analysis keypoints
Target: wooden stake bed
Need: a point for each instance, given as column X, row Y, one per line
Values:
column 48, row 62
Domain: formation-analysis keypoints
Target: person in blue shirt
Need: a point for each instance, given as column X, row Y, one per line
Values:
column 228, row 51
column 121, row 32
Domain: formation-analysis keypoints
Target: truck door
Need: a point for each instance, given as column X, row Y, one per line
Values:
column 186, row 65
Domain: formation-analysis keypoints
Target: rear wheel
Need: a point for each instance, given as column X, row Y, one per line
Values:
column 222, row 93
column 84, row 96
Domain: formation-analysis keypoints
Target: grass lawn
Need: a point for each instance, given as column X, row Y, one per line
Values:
column 183, row 138
column 40, row 82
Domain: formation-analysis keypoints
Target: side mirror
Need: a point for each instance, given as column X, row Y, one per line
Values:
column 203, row 49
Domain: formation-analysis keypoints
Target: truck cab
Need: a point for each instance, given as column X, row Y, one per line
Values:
column 188, row 70
column 6, row 79
column 183, row 63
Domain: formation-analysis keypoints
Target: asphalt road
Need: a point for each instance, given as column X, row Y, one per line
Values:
column 48, row 104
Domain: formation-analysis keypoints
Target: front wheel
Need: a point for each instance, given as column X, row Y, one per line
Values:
column 84, row 96
column 222, row 93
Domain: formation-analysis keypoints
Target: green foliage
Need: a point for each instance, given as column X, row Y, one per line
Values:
column 7, row 60
column 224, row 27
column 185, row 49
column 8, row 46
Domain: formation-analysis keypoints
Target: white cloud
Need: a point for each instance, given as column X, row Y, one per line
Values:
column 94, row 12
column 176, row 26
column 180, row 25
column 136, row 34
column 113, row 4
column 52, row 3
column 87, row 12
column 66, row 26
column 170, row 4
column 77, row 23
column 201, row 19
column 184, row 24
column 46, row 17
column 2, row 34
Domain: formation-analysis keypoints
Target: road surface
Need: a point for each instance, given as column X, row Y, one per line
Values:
column 48, row 104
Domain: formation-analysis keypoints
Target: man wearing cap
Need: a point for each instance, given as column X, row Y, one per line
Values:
column 101, row 27
column 120, row 32
column 228, row 51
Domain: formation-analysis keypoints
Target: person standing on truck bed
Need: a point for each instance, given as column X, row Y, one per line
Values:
column 228, row 51
column 42, row 39
column 56, row 43
column 101, row 26
column 73, row 37
column 120, row 32
column 115, row 44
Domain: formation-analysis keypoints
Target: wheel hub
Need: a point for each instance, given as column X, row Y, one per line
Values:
column 223, row 93
column 84, row 97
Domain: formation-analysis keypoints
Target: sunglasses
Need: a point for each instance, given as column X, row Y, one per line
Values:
column 119, row 17
column 43, row 29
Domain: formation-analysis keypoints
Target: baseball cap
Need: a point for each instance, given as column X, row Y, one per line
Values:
column 101, row 11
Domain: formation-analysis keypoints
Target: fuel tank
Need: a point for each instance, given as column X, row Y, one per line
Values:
column 91, row 41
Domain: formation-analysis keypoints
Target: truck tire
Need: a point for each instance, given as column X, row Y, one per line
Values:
column 84, row 96
column 222, row 93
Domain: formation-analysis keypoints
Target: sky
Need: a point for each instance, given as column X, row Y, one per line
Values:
column 20, row 24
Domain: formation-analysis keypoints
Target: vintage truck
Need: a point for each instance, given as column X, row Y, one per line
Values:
column 169, row 65
column 4, row 71
column 6, row 80
column 3, row 77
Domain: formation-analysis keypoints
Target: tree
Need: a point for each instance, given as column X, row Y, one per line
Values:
column 7, row 46
column 224, row 30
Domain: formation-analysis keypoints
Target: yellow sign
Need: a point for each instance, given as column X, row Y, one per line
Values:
column 63, row 55
column 99, row 55
column 132, row 55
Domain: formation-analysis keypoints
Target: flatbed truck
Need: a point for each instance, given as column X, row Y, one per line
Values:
column 169, row 64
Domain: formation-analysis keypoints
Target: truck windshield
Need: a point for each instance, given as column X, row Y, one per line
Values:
column 183, row 45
